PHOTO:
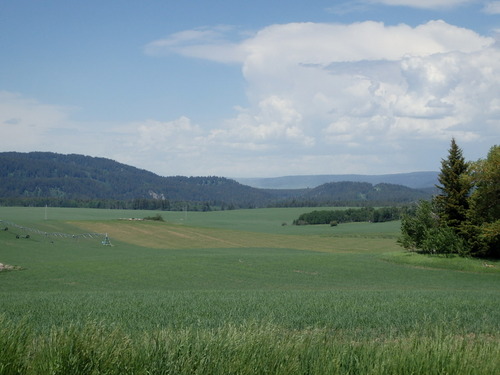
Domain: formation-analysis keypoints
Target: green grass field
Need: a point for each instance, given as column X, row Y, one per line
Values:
column 237, row 292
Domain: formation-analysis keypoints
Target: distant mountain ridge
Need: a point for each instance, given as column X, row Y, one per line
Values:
column 70, row 180
column 414, row 180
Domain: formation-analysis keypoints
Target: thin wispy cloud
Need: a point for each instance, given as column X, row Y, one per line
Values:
column 492, row 7
column 204, row 42
column 424, row 4
column 348, row 7
column 26, row 123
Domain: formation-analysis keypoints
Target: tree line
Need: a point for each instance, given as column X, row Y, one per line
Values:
column 333, row 217
column 116, row 204
column 464, row 218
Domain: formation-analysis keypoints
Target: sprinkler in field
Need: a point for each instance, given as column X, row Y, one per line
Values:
column 106, row 241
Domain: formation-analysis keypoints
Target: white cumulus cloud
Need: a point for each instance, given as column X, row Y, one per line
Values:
column 321, row 98
column 355, row 89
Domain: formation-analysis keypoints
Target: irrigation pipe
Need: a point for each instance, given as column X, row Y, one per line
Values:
column 8, row 224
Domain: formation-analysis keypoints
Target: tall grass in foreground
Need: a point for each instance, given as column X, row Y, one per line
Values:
column 250, row 348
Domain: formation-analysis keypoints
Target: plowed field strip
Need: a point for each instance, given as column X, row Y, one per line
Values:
column 172, row 236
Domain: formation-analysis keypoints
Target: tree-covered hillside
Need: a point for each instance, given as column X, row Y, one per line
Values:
column 50, row 175
column 357, row 194
column 38, row 178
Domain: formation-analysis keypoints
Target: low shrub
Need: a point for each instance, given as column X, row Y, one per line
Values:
column 156, row 217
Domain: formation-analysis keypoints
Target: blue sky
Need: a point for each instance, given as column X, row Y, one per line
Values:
column 252, row 88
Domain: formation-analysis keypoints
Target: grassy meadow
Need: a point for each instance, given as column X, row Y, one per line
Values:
column 237, row 292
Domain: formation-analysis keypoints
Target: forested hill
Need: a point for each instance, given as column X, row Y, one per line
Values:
column 349, row 191
column 44, row 174
column 70, row 179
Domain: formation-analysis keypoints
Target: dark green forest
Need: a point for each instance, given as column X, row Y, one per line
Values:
column 44, row 178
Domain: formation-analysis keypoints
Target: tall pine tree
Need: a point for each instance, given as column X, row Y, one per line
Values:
column 455, row 186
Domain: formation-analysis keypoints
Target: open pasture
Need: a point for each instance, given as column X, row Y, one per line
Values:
column 240, row 284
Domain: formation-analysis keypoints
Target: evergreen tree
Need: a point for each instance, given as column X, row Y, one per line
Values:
column 452, row 202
